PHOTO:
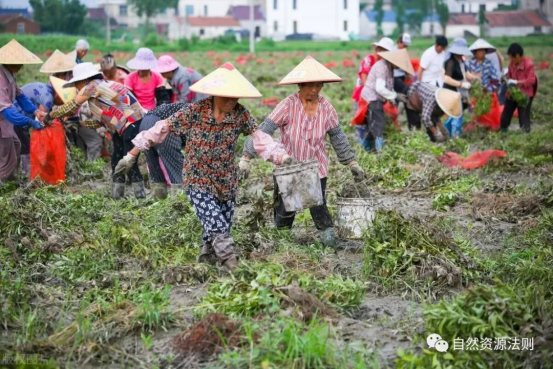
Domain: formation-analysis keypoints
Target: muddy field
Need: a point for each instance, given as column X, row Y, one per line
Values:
column 87, row 282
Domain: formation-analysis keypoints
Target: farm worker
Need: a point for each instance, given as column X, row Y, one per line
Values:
column 379, row 88
column 521, row 74
column 432, row 102
column 42, row 96
column 210, row 128
column 432, row 63
column 59, row 65
column 12, row 57
column 146, row 85
column 112, row 71
column 364, row 69
column 113, row 107
column 400, row 86
column 456, row 78
column 483, row 67
column 305, row 118
column 82, row 48
column 180, row 79
column 165, row 160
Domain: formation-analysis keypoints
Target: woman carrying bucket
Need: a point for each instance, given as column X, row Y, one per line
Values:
column 210, row 128
column 304, row 119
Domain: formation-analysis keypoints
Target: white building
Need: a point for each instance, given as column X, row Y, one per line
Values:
column 519, row 23
column 334, row 18
column 210, row 8
column 368, row 26
column 127, row 18
column 473, row 6
column 462, row 25
column 202, row 27
column 242, row 14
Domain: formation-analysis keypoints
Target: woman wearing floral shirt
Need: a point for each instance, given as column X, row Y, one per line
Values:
column 211, row 128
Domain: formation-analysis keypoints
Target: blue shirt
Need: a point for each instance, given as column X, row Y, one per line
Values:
column 490, row 77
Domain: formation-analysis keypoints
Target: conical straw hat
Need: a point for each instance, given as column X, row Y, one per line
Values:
column 65, row 93
column 72, row 55
column 450, row 102
column 399, row 58
column 226, row 81
column 309, row 70
column 14, row 53
column 58, row 62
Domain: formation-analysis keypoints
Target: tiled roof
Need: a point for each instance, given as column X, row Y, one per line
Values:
column 242, row 12
column 212, row 22
column 15, row 11
column 516, row 19
column 96, row 13
column 462, row 19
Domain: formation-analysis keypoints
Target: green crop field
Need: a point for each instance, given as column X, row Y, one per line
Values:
column 87, row 282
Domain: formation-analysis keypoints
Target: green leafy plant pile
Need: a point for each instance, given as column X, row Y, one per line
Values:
column 518, row 96
column 482, row 98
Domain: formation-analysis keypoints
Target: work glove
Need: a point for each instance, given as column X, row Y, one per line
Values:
column 443, row 130
column 512, row 82
column 402, row 98
column 288, row 160
column 439, row 137
column 466, row 85
column 36, row 125
column 244, row 168
column 101, row 131
column 356, row 170
column 124, row 165
column 47, row 120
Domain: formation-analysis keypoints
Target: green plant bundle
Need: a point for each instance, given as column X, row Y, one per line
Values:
column 482, row 99
column 518, row 96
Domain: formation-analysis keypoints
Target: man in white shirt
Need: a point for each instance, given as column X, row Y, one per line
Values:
column 432, row 63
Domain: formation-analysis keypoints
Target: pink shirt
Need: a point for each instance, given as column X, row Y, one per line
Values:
column 145, row 92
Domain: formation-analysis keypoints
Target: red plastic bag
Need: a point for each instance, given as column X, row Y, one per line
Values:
column 492, row 120
column 359, row 118
column 48, row 154
column 473, row 161
column 393, row 113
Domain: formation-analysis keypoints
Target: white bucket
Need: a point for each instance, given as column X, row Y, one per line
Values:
column 354, row 216
column 299, row 185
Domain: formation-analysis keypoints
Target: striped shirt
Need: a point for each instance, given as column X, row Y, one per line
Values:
column 382, row 69
column 490, row 79
column 304, row 137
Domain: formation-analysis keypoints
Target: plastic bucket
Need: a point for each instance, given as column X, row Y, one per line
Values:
column 299, row 185
column 354, row 216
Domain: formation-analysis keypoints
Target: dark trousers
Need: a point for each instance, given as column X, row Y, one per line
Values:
column 122, row 144
column 376, row 120
column 524, row 114
column 413, row 117
column 285, row 219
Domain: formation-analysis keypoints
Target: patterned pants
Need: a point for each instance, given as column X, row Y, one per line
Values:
column 216, row 219
column 167, row 154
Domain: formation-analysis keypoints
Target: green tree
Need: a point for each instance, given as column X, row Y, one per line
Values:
column 443, row 13
column 378, row 7
column 482, row 21
column 66, row 16
column 150, row 8
column 400, row 15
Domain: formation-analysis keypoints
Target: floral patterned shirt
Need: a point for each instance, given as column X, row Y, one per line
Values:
column 209, row 163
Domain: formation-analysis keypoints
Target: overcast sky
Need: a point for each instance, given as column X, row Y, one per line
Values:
column 25, row 3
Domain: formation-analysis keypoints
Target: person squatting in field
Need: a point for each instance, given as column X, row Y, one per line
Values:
column 12, row 57
column 210, row 128
column 305, row 118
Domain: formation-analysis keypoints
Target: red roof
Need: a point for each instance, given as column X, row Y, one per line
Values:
column 462, row 20
column 212, row 22
column 516, row 19
column 6, row 18
column 242, row 12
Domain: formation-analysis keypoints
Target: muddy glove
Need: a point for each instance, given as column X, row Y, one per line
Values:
column 288, row 160
column 512, row 82
column 244, row 168
column 356, row 170
column 37, row 126
column 124, row 165
column 101, row 131
column 466, row 85
column 443, row 130
column 47, row 120
column 402, row 98
column 439, row 137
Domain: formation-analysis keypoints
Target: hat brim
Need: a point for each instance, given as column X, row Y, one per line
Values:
column 226, row 81
column 72, row 81
column 66, row 94
column 378, row 44
column 489, row 50
column 310, row 71
column 400, row 58
column 453, row 109
column 459, row 50
column 165, row 69
column 141, row 65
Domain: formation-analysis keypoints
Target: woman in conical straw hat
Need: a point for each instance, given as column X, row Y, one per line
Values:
column 379, row 88
column 305, row 118
column 12, row 58
column 180, row 79
column 432, row 103
column 210, row 128
column 59, row 65
column 113, row 107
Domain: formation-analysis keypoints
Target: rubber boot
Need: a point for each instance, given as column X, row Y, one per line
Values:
column 175, row 189
column 448, row 125
column 207, row 256
column 230, row 264
column 139, row 190
column 328, row 238
column 117, row 190
column 26, row 166
column 379, row 144
column 367, row 144
column 159, row 190
column 223, row 245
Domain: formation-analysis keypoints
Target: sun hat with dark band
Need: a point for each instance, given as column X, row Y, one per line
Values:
column 399, row 58
column 482, row 44
column 226, row 81
column 143, row 60
column 14, row 53
column 310, row 70
column 58, row 62
column 450, row 102
column 83, row 72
